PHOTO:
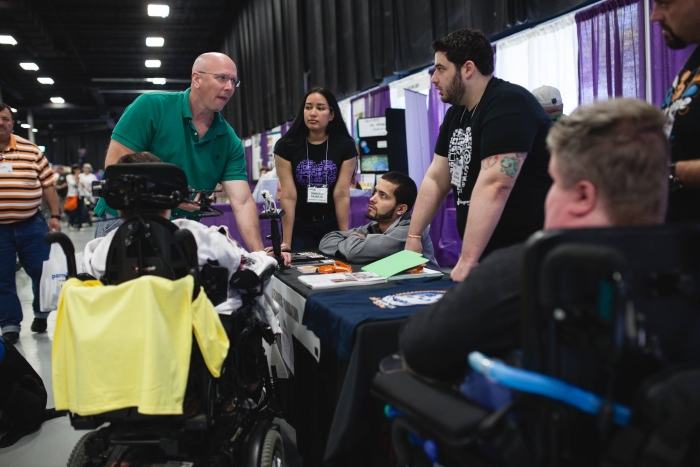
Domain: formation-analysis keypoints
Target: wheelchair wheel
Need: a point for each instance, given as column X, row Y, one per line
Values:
column 273, row 450
column 79, row 458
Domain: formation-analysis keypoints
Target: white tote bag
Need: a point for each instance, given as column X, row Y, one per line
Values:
column 53, row 275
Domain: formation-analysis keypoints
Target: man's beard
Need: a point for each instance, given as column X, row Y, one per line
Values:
column 455, row 91
column 673, row 41
column 377, row 216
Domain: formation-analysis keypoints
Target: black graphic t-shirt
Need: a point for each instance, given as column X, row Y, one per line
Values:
column 508, row 119
column 682, row 106
column 316, row 170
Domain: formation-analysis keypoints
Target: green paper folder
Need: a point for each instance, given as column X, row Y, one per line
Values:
column 396, row 263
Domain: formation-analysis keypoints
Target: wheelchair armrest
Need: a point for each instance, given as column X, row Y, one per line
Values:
column 447, row 416
column 258, row 268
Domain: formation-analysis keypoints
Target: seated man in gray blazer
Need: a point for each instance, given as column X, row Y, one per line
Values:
column 390, row 212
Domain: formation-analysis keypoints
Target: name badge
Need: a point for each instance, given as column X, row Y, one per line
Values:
column 457, row 174
column 317, row 194
column 5, row 168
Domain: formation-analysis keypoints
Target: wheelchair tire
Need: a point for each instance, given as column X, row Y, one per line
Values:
column 79, row 458
column 273, row 450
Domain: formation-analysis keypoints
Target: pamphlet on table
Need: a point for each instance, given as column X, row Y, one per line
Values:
column 341, row 279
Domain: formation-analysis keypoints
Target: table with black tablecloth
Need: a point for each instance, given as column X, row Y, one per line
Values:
column 327, row 400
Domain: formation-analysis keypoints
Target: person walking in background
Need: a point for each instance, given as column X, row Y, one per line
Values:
column 74, row 202
column 85, row 192
column 25, row 177
column 315, row 160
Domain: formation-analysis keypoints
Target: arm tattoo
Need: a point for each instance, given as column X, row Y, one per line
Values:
column 510, row 165
column 489, row 162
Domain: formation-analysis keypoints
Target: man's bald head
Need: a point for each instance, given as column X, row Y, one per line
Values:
column 210, row 60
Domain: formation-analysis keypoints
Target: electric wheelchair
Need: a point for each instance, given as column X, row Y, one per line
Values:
column 225, row 421
column 609, row 370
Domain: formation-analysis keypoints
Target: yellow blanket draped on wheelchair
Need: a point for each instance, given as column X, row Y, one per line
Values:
column 129, row 345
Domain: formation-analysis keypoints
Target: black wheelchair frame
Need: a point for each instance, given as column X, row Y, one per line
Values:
column 221, row 424
column 605, row 310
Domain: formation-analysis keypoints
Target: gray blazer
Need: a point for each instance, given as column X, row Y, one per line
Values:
column 375, row 245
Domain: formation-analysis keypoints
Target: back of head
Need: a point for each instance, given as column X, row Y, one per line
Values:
column 620, row 146
column 467, row 44
column 143, row 157
column 406, row 190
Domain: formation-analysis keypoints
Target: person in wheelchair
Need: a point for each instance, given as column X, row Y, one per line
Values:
column 214, row 246
column 609, row 165
column 240, row 398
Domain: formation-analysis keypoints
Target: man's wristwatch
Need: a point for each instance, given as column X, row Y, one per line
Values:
column 674, row 183
column 55, row 216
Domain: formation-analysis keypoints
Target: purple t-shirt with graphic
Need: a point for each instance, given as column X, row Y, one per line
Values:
column 317, row 170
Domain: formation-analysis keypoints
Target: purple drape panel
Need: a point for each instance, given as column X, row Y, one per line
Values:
column 665, row 64
column 417, row 136
column 436, row 114
column 611, row 51
column 377, row 102
column 264, row 149
column 249, row 162
column 285, row 127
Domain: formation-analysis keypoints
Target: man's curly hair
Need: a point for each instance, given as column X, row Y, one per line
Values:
column 467, row 44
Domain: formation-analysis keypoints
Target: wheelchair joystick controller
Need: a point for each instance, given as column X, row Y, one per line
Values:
column 271, row 212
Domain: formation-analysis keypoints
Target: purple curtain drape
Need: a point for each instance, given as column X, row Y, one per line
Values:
column 665, row 64
column 249, row 162
column 377, row 102
column 436, row 114
column 611, row 51
column 285, row 127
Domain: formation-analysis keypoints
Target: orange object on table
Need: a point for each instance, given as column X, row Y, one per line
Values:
column 337, row 266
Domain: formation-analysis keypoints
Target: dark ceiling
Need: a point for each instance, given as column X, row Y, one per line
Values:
column 95, row 53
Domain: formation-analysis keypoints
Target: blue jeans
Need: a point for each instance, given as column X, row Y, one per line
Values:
column 25, row 239
column 106, row 223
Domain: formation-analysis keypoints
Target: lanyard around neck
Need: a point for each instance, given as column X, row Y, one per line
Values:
column 325, row 168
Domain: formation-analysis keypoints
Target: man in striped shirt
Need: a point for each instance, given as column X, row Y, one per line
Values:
column 25, row 176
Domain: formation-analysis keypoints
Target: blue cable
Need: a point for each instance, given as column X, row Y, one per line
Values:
column 528, row 381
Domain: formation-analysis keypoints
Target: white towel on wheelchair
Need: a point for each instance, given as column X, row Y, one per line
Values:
column 213, row 244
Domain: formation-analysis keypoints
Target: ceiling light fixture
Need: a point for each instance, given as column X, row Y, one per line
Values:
column 45, row 80
column 25, row 125
column 155, row 41
column 34, row 130
column 58, row 100
column 8, row 40
column 156, row 80
column 13, row 110
column 158, row 10
column 152, row 63
column 29, row 66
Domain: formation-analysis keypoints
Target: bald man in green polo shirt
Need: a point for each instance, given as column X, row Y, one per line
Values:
column 187, row 129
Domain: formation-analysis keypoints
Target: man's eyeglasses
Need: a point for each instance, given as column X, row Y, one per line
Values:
column 223, row 78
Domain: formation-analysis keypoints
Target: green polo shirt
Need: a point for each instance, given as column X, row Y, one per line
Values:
column 161, row 123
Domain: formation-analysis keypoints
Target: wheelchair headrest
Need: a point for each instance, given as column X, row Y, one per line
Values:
column 143, row 186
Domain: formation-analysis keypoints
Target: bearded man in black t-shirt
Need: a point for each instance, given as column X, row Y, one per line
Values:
column 680, row 22
column 491, row 150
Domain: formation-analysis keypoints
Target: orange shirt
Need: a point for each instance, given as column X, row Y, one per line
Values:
column 24, row 172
